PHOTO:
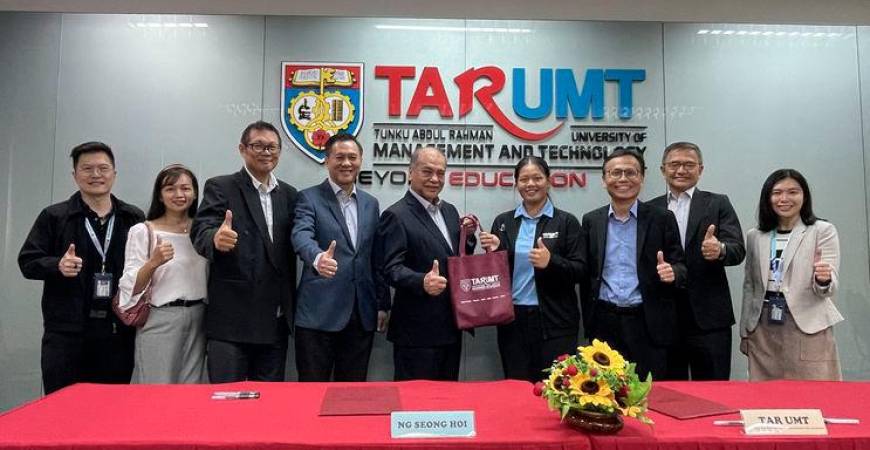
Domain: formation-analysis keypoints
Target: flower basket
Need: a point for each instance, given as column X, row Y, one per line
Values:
column 594, row 388
column 594, row 422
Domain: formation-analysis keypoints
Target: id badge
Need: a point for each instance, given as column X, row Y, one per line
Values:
column 777, row 310
column 102, row 286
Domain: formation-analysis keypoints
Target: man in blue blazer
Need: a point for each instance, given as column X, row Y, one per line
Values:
column 341, row 298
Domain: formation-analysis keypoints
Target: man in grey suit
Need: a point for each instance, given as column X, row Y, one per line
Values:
column 341, row 298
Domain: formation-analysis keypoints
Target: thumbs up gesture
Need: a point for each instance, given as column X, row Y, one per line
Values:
column 666, row 272
column 821, row 270
column 539, row 256
column 433, row 283
column 225, row 239
column 162, row 253
column 70, row 265
column 711, row 248
column 326, row 264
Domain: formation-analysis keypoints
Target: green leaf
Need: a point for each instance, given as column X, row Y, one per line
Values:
column 638, row 391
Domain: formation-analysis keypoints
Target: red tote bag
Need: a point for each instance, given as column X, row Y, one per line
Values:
column 480, row 286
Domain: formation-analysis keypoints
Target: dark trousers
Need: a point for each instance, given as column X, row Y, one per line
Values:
column 427, row 363
column 525, row 352
column 625, row 330
column 703, row 355
column 69, row 357
column 236, row 361
column 339, row 355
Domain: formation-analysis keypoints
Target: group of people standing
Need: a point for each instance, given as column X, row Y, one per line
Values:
column 219, row 270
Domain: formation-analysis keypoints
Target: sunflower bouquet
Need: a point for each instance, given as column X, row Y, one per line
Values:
column 597, row 379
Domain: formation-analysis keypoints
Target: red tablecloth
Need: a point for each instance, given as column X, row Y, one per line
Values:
column 88, row 416
column 843, row 399
column 508, row 417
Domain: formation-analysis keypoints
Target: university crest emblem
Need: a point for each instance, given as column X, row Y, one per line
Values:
column 319, row 100
column 465, row 285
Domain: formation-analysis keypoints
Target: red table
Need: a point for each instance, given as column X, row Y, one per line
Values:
column 88, row 416
column 508, row 417
column 843, row 399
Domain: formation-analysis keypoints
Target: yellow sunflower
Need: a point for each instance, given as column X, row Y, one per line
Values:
column 591, row 392
column 600, row 355
column 553, row 381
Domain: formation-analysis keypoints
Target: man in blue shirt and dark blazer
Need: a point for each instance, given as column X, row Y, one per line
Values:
column 712, row 239
column 416, row 235
column 636, row 266
column 341, row 298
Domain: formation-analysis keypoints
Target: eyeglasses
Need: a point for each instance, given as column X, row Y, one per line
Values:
column 686, row 165
column 615, row 174
column 96, row 170
column 260, row 148
column 428, row 173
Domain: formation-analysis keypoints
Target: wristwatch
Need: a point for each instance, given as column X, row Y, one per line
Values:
column 721, row 251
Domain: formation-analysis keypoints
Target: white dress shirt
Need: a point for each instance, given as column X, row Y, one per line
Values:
column 679, row 205
column 434, row 211
column 265, row 191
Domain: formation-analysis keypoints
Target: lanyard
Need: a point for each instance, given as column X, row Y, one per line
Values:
column 776, row 263
column 101, row 249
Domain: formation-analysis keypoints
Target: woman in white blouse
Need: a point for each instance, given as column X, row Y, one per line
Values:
column 170, row 347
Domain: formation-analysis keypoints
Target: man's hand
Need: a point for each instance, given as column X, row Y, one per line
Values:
column 489, row 241
column 70, row 265
column 327, row 266
column 666, row 272
column 539, row 256
column 225, row 239
column 710, row 246
column 433, row 283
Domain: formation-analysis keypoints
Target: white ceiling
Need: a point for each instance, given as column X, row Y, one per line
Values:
column 833, row 12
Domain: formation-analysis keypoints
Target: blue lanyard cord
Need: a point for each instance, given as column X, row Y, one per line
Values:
column 101, row 249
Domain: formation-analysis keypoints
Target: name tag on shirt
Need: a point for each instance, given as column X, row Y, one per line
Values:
column 553, row 235
column 102, row 286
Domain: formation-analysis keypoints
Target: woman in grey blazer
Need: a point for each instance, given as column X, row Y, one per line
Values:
column 792, row 275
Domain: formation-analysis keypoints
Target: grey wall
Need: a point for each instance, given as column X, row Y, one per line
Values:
column 754, row 102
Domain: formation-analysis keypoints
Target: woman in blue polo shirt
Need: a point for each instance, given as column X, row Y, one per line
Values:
column 545, row 251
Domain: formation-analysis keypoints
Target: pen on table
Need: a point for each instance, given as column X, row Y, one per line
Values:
column 831, row 420
column 235, row 395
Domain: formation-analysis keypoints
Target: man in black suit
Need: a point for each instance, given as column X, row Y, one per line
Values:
column 416, row 235
column 636, row 266
column 712, row 239
column 243, row 228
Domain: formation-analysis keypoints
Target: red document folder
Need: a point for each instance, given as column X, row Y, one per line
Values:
column 360, row 401
column 684, row 406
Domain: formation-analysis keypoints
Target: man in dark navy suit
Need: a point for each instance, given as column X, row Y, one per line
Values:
column 416, row 235
column 341, row 298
